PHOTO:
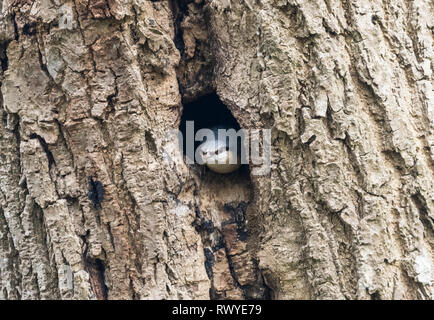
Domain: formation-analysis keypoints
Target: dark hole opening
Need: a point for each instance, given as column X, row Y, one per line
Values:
column 206, row 112
column 29, row 29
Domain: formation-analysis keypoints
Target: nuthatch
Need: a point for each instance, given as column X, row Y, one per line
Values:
column 219, row 155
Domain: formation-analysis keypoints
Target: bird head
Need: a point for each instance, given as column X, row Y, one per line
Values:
column 219, row 156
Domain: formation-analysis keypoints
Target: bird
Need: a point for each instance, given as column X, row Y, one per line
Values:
column 219, row 155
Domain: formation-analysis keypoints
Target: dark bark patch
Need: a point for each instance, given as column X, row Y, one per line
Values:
column 16, row 33
column 96, row 192
column 201, row 224
column 99, row 9
column 179, row 10
column 209, row 262
column 96, row 270
column 207, row 112
column 45, row 147
column 3, row 57
column 150, row 142
column 29, row 29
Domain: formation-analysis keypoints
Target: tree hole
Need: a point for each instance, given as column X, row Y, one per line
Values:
column 207, row 112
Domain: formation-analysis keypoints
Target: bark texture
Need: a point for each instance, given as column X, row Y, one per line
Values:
column 96, row 201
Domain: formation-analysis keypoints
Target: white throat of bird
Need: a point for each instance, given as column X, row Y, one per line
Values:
column 219, row 157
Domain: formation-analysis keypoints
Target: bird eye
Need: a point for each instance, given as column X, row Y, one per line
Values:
column 216, row 152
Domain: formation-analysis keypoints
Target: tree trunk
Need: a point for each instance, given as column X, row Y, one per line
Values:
column 97, row 202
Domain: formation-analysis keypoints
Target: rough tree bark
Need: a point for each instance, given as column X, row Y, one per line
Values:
column 89, row 89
